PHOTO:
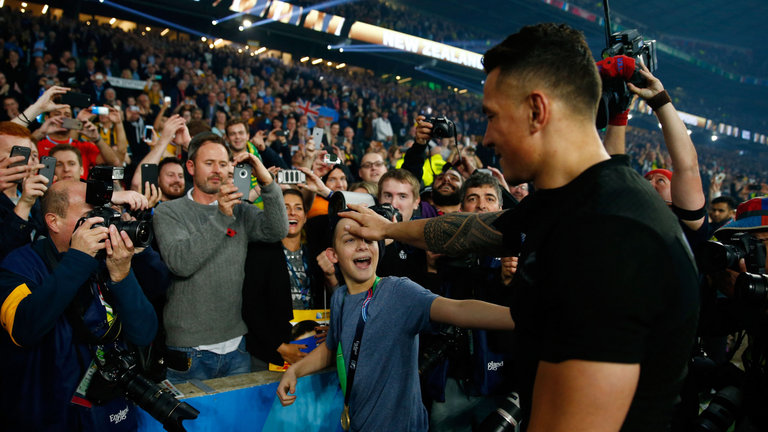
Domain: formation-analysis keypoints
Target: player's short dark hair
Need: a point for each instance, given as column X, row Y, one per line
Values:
column 552, row 55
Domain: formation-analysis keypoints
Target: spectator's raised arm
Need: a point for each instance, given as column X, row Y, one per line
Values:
column 686, row 190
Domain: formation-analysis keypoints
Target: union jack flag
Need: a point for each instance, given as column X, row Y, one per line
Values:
column 307, row 108
column 314, row 111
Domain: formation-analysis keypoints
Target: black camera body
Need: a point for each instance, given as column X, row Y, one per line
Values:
column 101, row 184
column 631, row 44
column 387, row 211
column 98, row 192
column 139, row 231
column 712, row 256
column 616, row 96
column 118, row 374
column 442, row 128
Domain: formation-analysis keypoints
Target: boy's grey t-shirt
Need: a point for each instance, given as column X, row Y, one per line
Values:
column 386, row 393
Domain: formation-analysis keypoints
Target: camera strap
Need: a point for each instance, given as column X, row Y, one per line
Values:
column 80, row 304
column 347, row 379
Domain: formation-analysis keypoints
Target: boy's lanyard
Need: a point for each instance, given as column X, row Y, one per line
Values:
column 346, row 379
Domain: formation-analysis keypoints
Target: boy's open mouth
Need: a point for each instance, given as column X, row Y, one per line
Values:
column 362, row 263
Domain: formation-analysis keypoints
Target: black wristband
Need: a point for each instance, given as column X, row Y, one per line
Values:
column 689, row 215
column 658, row 101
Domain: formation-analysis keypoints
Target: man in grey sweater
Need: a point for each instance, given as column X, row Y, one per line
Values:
column 203, row 239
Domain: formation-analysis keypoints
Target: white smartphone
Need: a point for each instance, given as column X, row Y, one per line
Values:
column 317, row 136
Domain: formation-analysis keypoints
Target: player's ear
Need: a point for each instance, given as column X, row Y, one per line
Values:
column 539, row 105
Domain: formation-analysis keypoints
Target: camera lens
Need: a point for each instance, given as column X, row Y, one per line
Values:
column 140, row 232
column 506, row 417
column 752, row 288
column 243, row 174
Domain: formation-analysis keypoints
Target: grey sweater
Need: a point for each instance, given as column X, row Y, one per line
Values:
column 205, row 250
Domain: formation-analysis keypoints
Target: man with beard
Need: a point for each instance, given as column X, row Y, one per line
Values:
column 446, row 191
column 170, row 178
column 203, row 239
column 721, row 211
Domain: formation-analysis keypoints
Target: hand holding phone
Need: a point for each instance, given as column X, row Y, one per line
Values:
column 76, row 100
column 20, row 151
column 71, row 124
column 148, row 133
column 317, row 136
column 149, row 173
column 50, row 168
column 242, row 179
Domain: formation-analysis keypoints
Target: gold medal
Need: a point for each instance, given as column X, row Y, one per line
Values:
column 345, row 418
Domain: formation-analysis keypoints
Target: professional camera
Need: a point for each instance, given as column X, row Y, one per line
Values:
column 101, row 181
column 631, row 44
column 442, row 127
column 752, row 288
column 139, row 231
column 712, row 256
column 341, row 199
column 98, row 192
column 721, row 412
column 616, row 97
column 387, row 211
column 118, row 372
column 506, row 418
column 742, row 395
column 439, row 346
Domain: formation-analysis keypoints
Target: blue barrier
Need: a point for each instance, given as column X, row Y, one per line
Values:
column 317, row 408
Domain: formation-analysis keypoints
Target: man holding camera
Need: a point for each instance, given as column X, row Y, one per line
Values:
column 605, row 296
column 61, row 304
column 203, row 238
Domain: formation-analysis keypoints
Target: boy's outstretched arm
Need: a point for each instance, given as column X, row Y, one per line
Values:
column 471, row 314
column 320, row 358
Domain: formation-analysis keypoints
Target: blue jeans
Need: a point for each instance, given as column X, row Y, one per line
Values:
column 205, row 365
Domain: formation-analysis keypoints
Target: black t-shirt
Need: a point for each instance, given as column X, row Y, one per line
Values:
column 605, row 275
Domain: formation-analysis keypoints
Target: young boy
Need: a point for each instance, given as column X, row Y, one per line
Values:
column 384, row 393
